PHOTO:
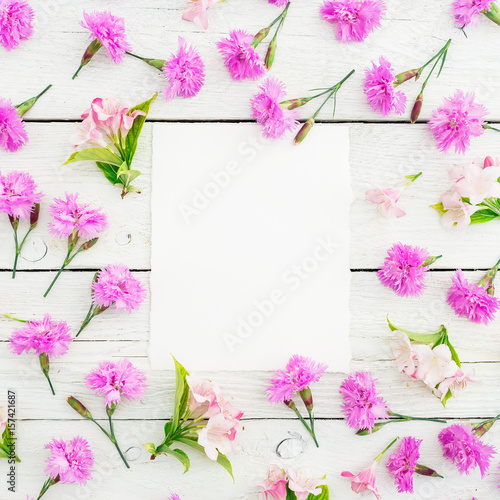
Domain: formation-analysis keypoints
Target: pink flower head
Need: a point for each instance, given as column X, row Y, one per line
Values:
column 218, row 436
column 471, row 301
column 489, row 161
column 404, row 352
column 174, row 496
column 402, row 463
column 402, row 270
column 18, row 194
column 279, row 3
column 71, row 460
column 12, row 132
column 455, row 383
column 110, row 31
column 303, row 484
column 457, row 211
column 464, row 449
column 475, row 182
column 275, row 484
column 456, row 121
column 44, row 337
column 185, row 72
column 387, row 201
column 16, row 22
column 114, row 380
column 68, row 217
column 467, row 11
column 88, row 133
column 196, row 12
column 362, row 403
column 300, row 373
column 434, row 364
column 365, row 480
column 380, row 91
column 116, row 285
column 355, row 19
column 241, row 59
column 203, row 396
column 266, row 109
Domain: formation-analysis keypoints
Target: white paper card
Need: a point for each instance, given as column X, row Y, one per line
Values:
column 250, row 247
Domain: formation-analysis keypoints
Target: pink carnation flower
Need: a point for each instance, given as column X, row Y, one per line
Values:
column 110, row 31
column 300, row 373
column 362, row 403
column 467, row 11
column 71, row 461
column 44, row 337
column 365, row 480
column 471, row 301
column 240, row 58
column 402, row 463
column 114, row 380
column 116, row 285
column 18, row 194
column 380, row 91
column 185, row 72
column 12, row 132
column 69, row 217
column 465, row 450
column 402, row 270
column 279, row 3
column 16, row 22
column 266, row 109
column 196, row 12
column 355, row 19
column 456, row 121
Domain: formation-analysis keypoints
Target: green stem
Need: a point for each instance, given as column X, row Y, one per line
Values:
column 8, row 316
column 406, row 418
column 45, row 487
column 335, row 89
column 313, row 432
column 77, row 71
column 50, row 383
column 438, row 55
column 17, row 254
column 87, row 319
column 66, row 263
column 493, row 14
column 133, row 55
column 489, row 127
column 381, row 454
column 114, row 441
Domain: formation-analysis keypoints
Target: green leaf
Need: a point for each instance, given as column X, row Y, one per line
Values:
column 290, row 495
column 5, row 445
column 168, row 429
column 446, row 397
column 454, row 354
column 178, row 454
column 109, row 171
column 95, row 154
column 133, row 135
column 127, row 176
column 425, row 338
column 181, row 393
column 221, row 459
column 324, row 495
column 482, row 216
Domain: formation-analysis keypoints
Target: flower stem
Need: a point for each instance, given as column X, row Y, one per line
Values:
column 400, row 417
column 46, row 486
column 17, row 254
column 489, row 127
column 87, row 319
column 381, row 454
column 133, row 55
column 67, row 260
column 313, row 432
column 493, row 14
column 50, row 383
column 8, row 316
column 114, row 441
column 334, row 90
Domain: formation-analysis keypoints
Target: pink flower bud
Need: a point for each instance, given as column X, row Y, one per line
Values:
column 260, row 36
column 417, row 108
column 271, row 52
column 489, row 161
column 79, row 407
column 302, row 134
column 405, row 76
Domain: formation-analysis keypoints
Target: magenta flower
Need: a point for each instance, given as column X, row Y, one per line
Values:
column 266, row 109
column 185, row 72
column 44, row 337
column 18, row 194
column 114, row 380
column 299, row 374
column 240, row 58
column 116, row 285
column 12, row 132
column 456, row 121
column 404, row 269
column 279, row 3
column 355, row 19
column 70, row 461
column 16, row 22
column 71, row 218
column 464, row 449
column 174, row 496
column 380, row 91
column 362, row 403
column 467, row 11
column 402, row 463
column 471, row 301
column 110, row 31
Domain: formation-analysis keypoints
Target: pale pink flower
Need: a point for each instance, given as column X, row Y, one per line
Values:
column 468, row 11
column 69, row 217
column 71, row 461
column 3, row 421
column 114, row 380
column 275, row 484
column 184, row 71
column 404, row 352
column 218, row 436
column 475, row 182
column 240, row 58
column 457, row 211
column 196, row 12
column 456, row 383
column 88, row 133
column 434, row 365
column 12, row 132
column 365, row 480
column 203, row 395
column 387, row 200
column 457, row 120
column 16, row 22
column 18, row 194
column 303, row 484
column 110, row 31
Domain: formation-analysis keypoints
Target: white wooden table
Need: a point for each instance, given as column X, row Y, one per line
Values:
column 382, row 152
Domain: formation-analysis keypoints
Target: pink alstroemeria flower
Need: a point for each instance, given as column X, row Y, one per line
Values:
column 218, row 436
column 303, row 484
column 196, row 12
column 456, row 383
column 404, row 352
column 365, row 480
column 457, row 211
column 434, row 365
column 203, row 396
column 387, row 200
column 275, row 484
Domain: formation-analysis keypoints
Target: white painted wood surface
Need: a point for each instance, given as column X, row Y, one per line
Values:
column 309, row 56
